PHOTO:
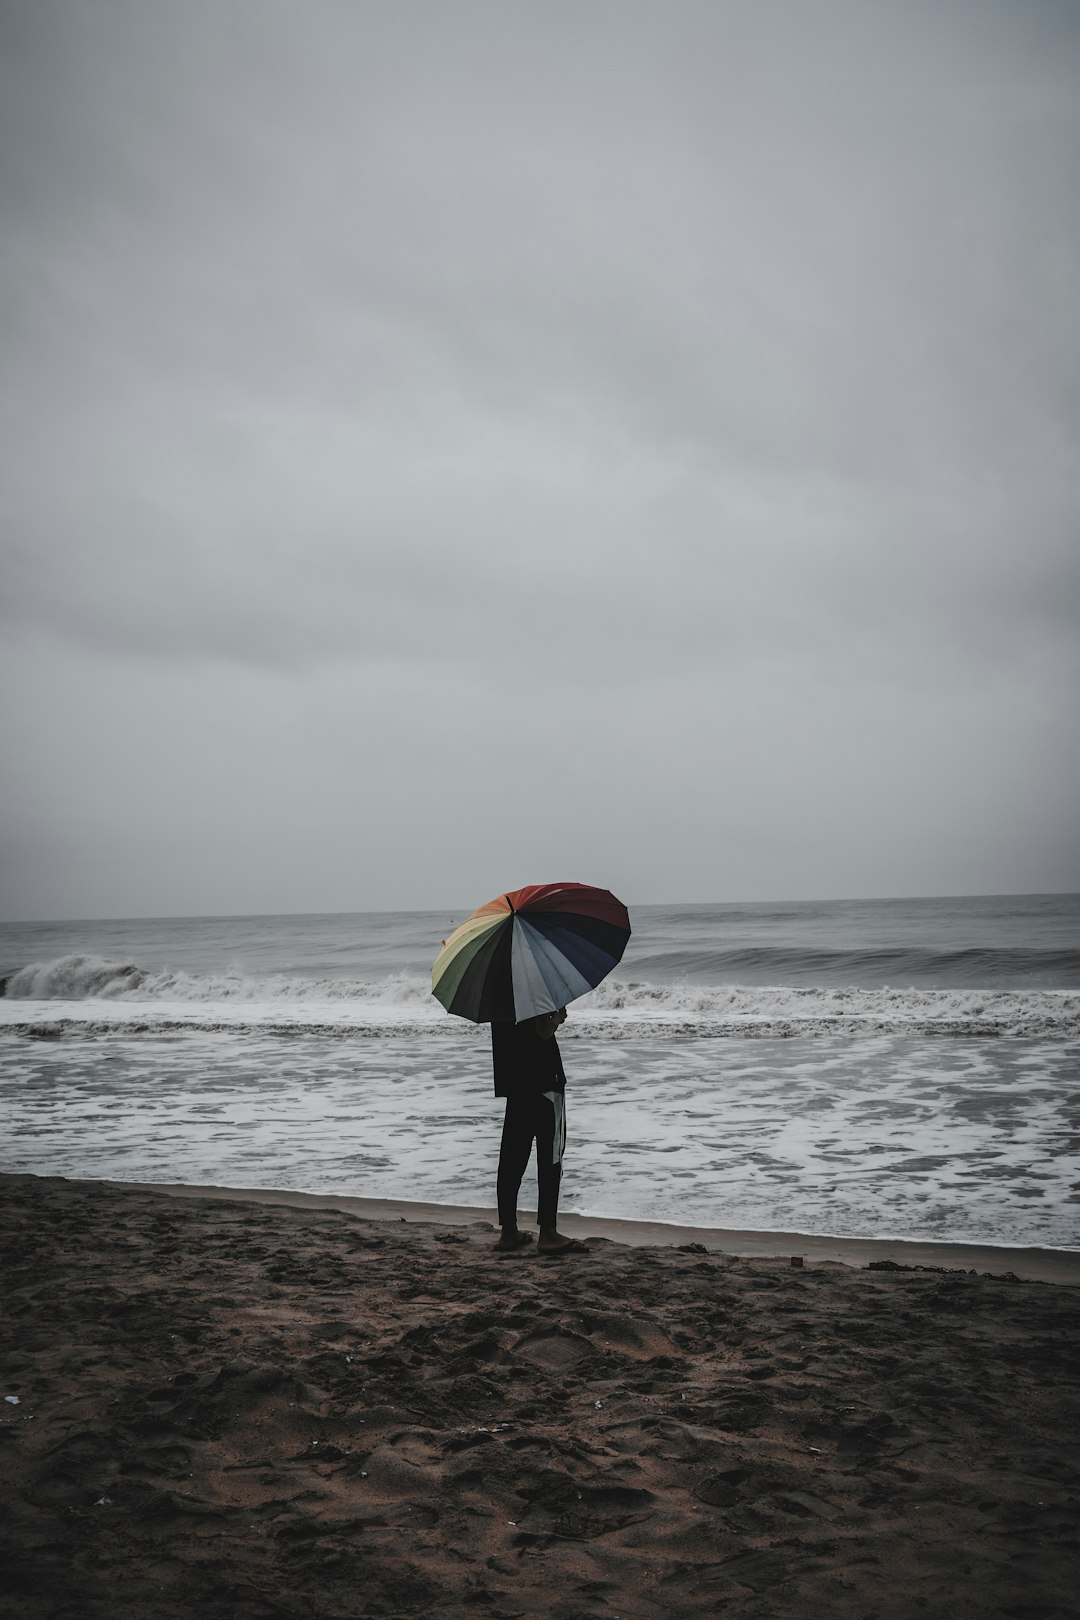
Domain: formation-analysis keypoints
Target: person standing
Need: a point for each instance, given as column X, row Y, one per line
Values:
column 529, row 1074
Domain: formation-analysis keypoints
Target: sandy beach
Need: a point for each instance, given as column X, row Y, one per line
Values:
column 265, row 1408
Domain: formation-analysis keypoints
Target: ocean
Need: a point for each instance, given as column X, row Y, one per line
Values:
column 891, row 1068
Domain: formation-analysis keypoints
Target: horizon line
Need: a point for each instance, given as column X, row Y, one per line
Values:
column 388, row 911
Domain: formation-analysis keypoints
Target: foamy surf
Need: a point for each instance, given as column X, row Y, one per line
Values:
column 747, row 1066
column 966, row 1140
column 87, row 995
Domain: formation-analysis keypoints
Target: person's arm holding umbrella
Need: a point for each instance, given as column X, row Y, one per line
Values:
column 547, row 1023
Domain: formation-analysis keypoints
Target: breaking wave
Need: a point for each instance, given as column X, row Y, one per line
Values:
column 100, row 997
column 76, row 978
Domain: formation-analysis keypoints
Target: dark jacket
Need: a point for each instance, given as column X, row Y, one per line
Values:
column 524, row 1063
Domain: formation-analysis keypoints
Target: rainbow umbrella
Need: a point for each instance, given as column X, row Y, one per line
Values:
column 530, row 951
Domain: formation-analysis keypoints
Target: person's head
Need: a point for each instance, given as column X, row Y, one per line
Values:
column 547, row 1023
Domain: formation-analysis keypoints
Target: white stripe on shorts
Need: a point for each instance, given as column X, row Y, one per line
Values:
column 558, row 1102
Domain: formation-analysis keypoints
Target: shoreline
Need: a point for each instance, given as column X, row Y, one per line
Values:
column 1060, row 1266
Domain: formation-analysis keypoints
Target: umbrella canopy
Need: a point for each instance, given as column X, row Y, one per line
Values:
column 530, row 951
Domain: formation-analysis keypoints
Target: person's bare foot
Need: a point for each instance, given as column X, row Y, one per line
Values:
column 512, row 1239
column 552, row 1241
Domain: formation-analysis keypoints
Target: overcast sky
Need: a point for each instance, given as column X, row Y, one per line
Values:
column 446, row 445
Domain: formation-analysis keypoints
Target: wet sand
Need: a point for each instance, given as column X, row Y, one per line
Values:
column 1039, row 1265
column 269, row 1407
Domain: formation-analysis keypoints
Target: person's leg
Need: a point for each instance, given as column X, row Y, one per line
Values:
column 549, row 1145
column 514, row 1151
column 550, row 1142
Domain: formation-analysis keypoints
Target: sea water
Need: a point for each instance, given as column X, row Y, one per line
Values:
column 874, row 1068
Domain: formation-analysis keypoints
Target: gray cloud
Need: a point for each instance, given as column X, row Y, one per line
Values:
column 678, row 405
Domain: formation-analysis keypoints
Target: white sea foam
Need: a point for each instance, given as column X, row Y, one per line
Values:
column 875, row 1136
